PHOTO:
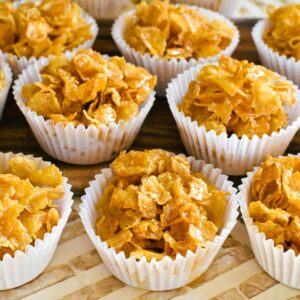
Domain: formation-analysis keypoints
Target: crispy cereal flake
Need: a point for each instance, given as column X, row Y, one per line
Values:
column 27, row 208
column 155, row 206
column 238, row 97
column 175, row 31
column 50, row 27
column 282, row 36
column 275, row 206
column 89, row 90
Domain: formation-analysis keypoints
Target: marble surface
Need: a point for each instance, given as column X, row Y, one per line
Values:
column 77, row 272
column 257, row 8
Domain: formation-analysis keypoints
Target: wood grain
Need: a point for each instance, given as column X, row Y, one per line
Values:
column 158, row 131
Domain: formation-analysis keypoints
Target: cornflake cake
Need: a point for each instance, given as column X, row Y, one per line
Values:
column 283, row 33
column 41, row 29
column 176, row 31
column 238, row 97
column 89, row 89
column 275, row 206
column 27, row 207
column 156, row 206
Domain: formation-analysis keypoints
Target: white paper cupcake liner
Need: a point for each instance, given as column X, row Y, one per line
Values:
column 102, row 9
column 78, row 145
column 4, row 67
column 225, row 7
column 19, row 64
column 165, row 274
column 289, row 67
column 235, row 156
column 166, row 69
column 25, row 266
column 283, row 266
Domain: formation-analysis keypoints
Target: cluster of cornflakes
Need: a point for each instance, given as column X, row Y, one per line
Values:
column 41, row 29
column 238, row 97
column 275, row 206
column 89, row 89
column 27, row 208
column 155, row 206
column 171, row 31
column 283, row 34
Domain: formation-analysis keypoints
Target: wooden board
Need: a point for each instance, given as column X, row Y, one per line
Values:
column 158, row 131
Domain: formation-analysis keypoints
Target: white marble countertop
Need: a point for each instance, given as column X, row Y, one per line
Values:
column 77, row 272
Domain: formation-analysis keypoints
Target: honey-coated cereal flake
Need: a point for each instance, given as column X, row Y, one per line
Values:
column 89, row 89
column 238, row 97
column 27, row 207
column 282, row 35
column 176, row 31
column 50, row 27
column 275, row 205
column 155, row 206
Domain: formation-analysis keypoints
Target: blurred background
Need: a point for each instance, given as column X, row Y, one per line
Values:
column 257, row 8
column 247, row 8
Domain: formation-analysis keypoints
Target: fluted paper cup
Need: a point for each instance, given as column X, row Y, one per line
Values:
column 8, row 80
column 78, row 144
column 235, row 156
column 19, row 64
column 289, row 67
column 168, row 273
column 27, row 265
column 102, row 9
column 166, row 69
column 225, row 7
column 283, row 266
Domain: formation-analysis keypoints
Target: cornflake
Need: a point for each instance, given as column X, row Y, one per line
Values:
column 275, row 206
column 238, row 97
column 283, row 33
column 155, row 206
column 27, row 207
column 49, row 27
column 2, row 81
column 89, row 89
column 176, row 31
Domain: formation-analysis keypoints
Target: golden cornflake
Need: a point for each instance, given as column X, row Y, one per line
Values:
column 283, row 33
column 238, row 97
column 155, row 206
column 170, row 31
column 50, row 27
column 89, row 89
column 2, row 81
column 27, row 207
column 275, row 206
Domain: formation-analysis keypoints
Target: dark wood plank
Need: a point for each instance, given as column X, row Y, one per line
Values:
column 158, row 131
